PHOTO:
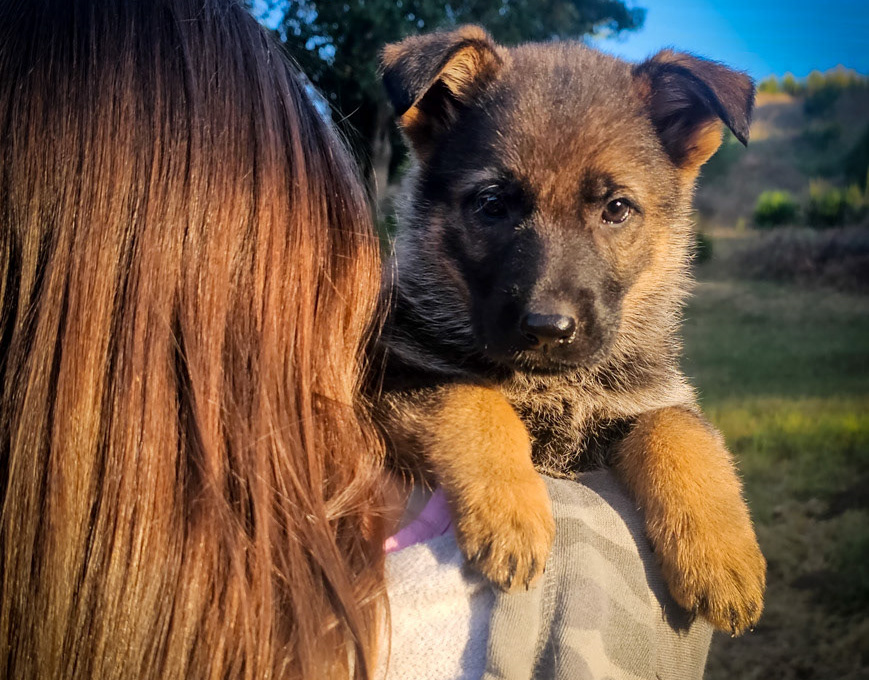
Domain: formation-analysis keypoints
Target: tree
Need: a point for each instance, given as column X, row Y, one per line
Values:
column 337, row 42
column 769, row 85
column 790, row 85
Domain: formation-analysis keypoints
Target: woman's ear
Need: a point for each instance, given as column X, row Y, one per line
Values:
column 430, row 78
column 688, row 98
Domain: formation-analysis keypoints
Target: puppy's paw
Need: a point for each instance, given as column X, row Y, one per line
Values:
column 676, row 465
column 506, row 529
column 720, row 575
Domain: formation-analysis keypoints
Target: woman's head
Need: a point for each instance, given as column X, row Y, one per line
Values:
column 187, row 275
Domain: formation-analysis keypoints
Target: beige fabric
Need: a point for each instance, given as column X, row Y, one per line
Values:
column 439, row 613
column 602, row 610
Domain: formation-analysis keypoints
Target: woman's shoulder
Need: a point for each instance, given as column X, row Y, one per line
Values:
column 602, row 609
column 438, row 609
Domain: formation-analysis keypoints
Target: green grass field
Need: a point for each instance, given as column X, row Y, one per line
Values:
column 784, row 372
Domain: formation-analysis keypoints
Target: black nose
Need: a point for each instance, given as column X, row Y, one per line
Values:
column 542, row 330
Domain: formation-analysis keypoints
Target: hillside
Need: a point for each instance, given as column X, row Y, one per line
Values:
column 788, row 148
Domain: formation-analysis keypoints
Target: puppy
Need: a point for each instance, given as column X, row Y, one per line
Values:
column 541, row 264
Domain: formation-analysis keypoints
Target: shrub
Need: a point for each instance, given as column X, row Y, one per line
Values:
column 836, row 257
column 823, row 89
column 829, row 206
column 856, row 162
column 770, row 85
column 790, row 85
column 826, row 206
column 819, row 89
column 820, row 136
column 819, row 102
column 855, row 203
column 775, row 208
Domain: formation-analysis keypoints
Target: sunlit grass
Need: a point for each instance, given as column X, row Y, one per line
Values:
column 750, row 340
column 805, row 448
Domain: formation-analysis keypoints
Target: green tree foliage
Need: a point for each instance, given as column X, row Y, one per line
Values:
column 818, row 90
column 337, row 43
column 769, row 85
column 790, row 85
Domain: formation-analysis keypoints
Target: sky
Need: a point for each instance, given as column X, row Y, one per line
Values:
column 762, row 37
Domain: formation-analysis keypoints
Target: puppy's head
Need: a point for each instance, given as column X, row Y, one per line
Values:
column 545, row 223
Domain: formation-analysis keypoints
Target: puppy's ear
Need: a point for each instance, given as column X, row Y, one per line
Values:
column 688, row 98
column 430, row 78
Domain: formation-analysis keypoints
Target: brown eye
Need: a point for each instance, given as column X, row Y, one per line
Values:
column 491, row 205
column 616, row 211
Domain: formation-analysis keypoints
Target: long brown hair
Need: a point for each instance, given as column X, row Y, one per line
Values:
column 187, row 274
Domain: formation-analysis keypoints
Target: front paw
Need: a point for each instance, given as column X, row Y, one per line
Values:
column 506, row 530
column 683, row 477
column 717, row 573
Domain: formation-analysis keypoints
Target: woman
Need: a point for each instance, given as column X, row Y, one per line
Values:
column 187, row 274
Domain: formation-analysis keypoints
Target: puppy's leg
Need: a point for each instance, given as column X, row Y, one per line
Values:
column 474, row 445
column 677, row 467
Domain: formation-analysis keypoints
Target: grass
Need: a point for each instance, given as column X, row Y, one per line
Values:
column 759, row 339
column 783, row 371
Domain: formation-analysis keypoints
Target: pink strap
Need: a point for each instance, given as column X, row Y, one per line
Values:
column 434, row 520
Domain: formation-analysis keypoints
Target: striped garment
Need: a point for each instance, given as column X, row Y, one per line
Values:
column 602, row 610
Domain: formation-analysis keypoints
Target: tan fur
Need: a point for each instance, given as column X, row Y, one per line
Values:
column 704, row 144
column 464, row 69
column 677, row 468
column 485, row 469
column 469, row 440
column 468, row 67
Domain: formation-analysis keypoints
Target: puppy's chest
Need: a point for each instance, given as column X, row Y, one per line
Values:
column 572, row 429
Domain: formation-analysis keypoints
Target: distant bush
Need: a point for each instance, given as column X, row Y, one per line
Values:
column 788, row 84
column 775, row 208
column 791, row 85
column 839, row 78
column 820, row 136
column 819, row 89
column 836, row 257
column 768, row 85
column 823, row 89
column 856, row 203
column 820, row 101
column 829, row 206
column 826, row 206
column 856, row 162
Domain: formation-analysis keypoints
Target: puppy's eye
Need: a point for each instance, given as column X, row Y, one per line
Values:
column 491, row 204
column 616, row 211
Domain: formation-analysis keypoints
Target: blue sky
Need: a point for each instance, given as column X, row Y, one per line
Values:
column 760, row 36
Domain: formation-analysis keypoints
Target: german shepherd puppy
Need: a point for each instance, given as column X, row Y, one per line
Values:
column 541, row 264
